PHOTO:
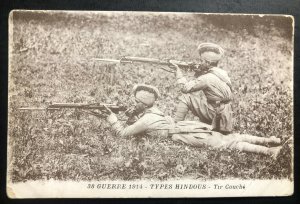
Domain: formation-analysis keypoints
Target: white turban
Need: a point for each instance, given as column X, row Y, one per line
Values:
column 145, row 97
column 210, row 52
column 146, row 93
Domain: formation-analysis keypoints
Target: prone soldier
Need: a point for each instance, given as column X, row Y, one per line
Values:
column 152, row 122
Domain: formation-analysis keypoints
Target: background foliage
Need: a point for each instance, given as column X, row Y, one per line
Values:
column 50, row 61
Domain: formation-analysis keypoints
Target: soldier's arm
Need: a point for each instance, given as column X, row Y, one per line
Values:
column 191, row 86
column 136, row 128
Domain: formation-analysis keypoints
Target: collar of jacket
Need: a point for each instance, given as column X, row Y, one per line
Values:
column 153, row 110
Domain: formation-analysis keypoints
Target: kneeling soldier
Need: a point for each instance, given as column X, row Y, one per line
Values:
column 209, row 95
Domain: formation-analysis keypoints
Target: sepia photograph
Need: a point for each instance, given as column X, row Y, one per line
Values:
column 149, row 104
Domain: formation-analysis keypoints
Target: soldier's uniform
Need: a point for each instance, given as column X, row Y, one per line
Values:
column 153, row 123
column 208, row 96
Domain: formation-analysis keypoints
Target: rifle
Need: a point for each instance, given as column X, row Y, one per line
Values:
column 95, row 106
column 129, row 60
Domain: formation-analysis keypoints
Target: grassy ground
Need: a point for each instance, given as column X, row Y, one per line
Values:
column 50, row 62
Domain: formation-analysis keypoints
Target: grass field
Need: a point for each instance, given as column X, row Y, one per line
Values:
column 50, row 61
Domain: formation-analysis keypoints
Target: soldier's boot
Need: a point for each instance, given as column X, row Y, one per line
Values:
column 274, row 152
column 259, row 149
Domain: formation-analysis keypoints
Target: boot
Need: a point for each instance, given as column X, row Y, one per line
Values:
column 275, row 152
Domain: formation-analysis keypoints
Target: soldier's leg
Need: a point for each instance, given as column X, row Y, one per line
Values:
column 196, row 102
column 181, row 111
column 255, row 139
column 191, row 139
column 247, row 147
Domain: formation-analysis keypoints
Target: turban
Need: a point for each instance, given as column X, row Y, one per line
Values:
column 145, row 97
column 146, row 93
column 210, row 52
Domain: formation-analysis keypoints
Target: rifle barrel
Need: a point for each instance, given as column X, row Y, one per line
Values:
column 35, row 108
column 145, row 60
column 106, row 60
column 59, row 106
column 84, row 105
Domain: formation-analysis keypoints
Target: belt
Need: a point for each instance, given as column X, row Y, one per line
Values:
column 178, row 131
column 174, row 130
column 219, row 102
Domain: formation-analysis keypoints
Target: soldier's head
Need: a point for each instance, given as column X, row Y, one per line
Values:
column 209, row 55
column 145, row 96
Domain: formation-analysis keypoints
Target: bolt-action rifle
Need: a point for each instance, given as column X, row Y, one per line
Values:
column 82, row 106
column 167, row 63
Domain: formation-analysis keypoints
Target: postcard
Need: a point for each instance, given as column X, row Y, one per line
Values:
column 107, row 104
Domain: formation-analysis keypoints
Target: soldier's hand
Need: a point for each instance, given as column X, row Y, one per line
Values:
column 179, row 73
column 111, row 118
column 130, row 111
